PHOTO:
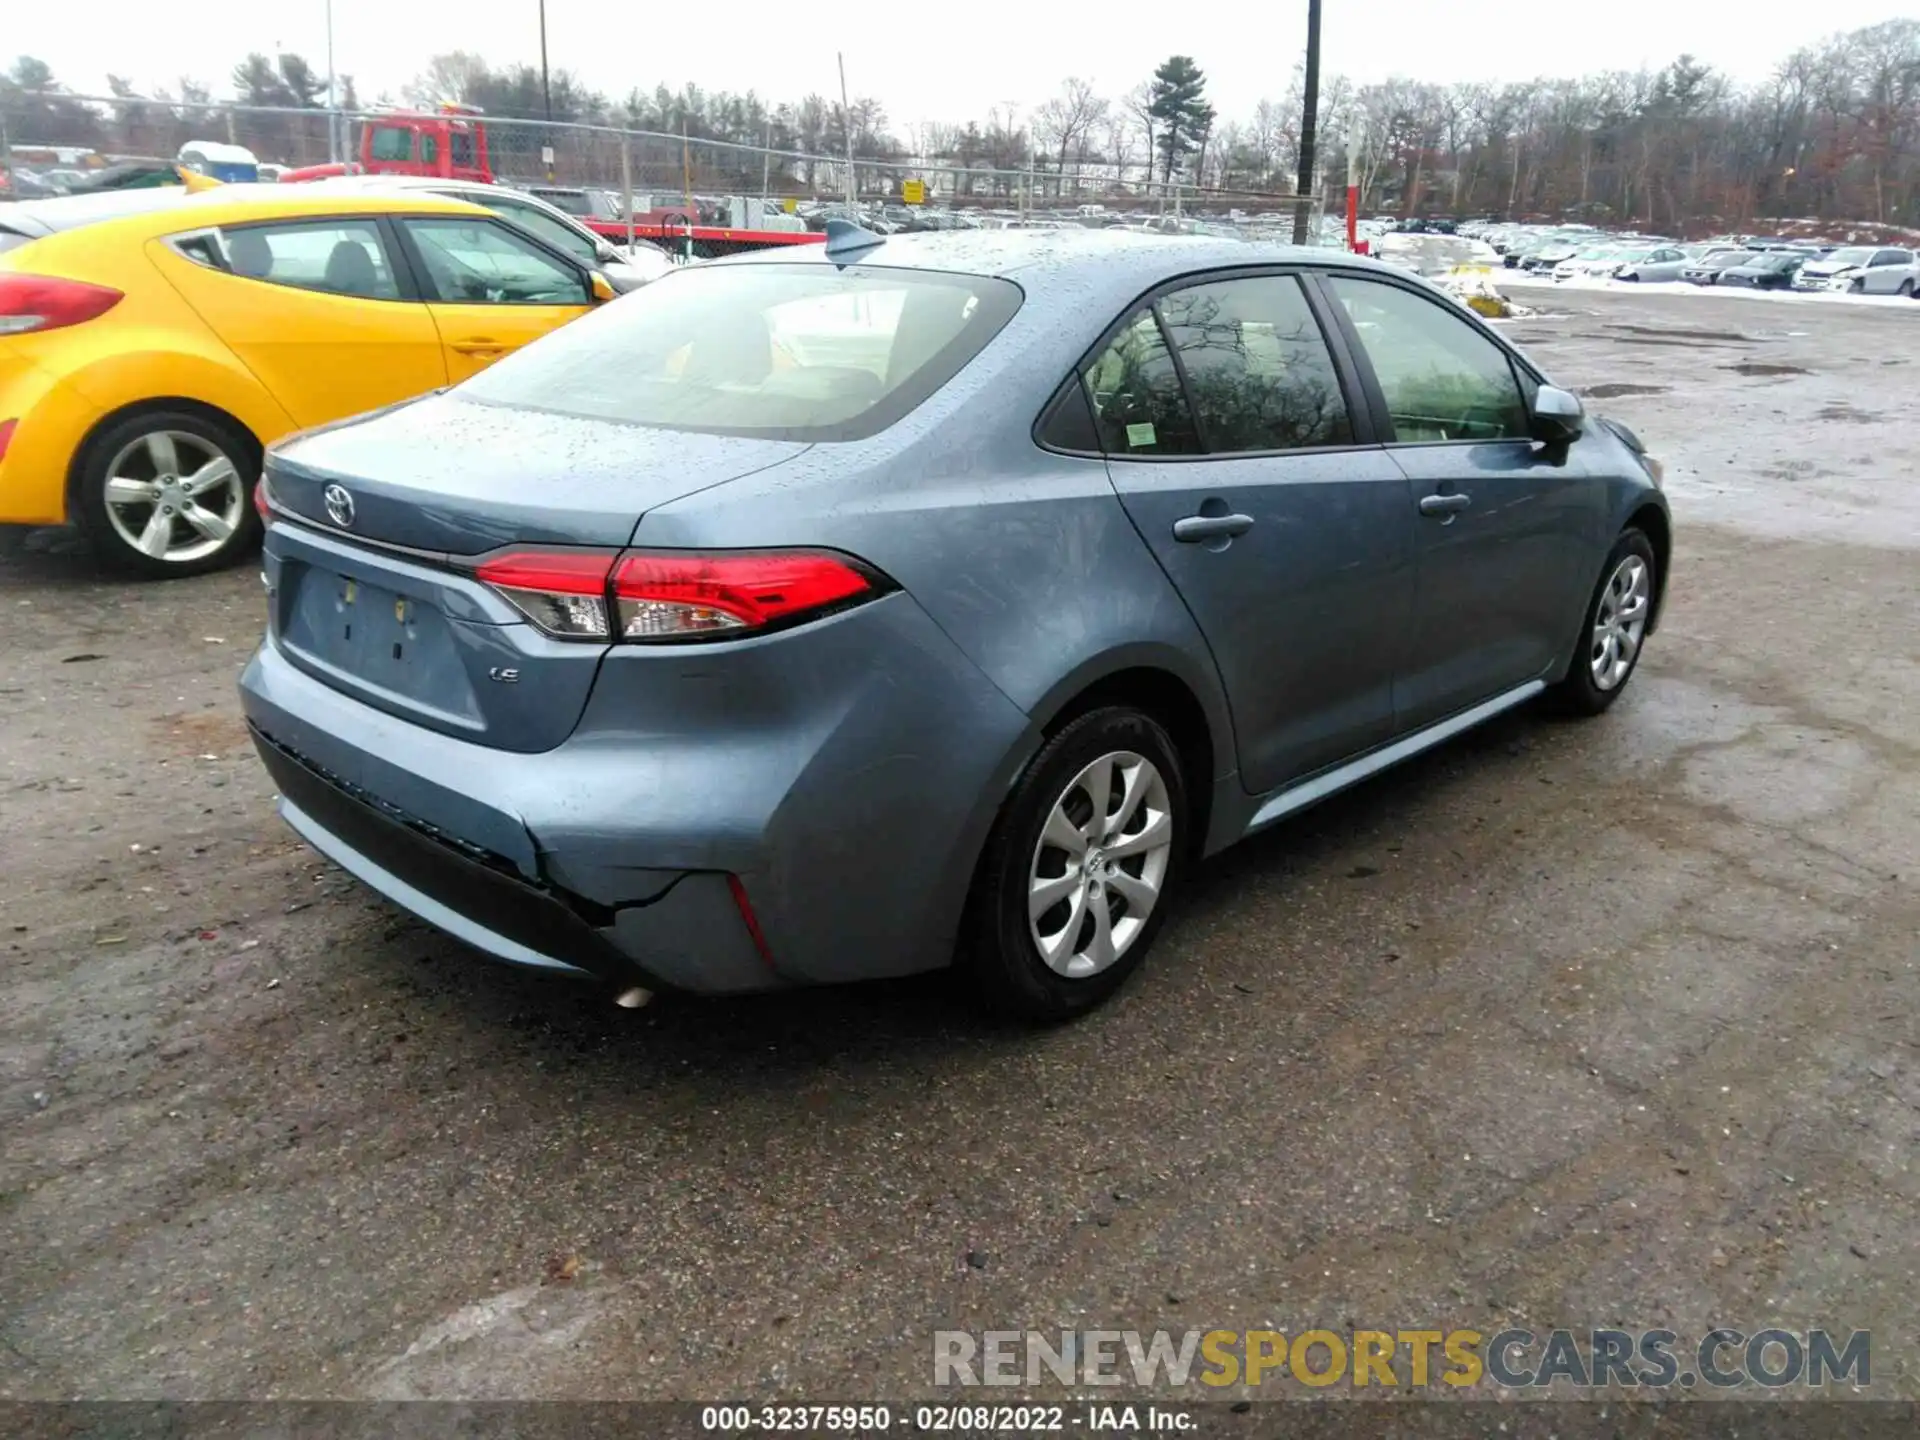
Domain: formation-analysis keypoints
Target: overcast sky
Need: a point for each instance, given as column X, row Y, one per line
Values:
column 920, row 62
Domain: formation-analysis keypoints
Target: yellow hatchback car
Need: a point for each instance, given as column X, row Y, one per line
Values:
column 154, row 342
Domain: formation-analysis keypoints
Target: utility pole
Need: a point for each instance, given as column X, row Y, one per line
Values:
column 546, row 88
column 846, row 120
column 333, row 112
column 1303, row 211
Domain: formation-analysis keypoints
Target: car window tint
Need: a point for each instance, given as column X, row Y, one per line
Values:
column 340, row 257
column 1442, row 379
column 1068, row 423
column 536, row 220
column 1139, row 407
column 482, row 262
column 799, row 351
column 1258, row 369
column 392, row 142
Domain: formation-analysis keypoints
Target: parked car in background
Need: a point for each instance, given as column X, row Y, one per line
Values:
column 1551, row 252
column 1862, row 269
column 639, row 655
column 625, row 269
column 584, row 201
column 153, row 343
column 1661, row 263
column 1594, row 260
column 1708, row 268
column 1766, row 270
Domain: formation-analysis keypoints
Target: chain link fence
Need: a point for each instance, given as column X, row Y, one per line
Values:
column 675, row 180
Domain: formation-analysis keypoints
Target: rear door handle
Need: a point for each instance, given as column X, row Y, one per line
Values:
column 478, row 346
column 1195, row 528
column 1444, row 504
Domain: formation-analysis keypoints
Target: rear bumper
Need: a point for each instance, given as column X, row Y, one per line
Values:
column 845, row 776
column 690, row 937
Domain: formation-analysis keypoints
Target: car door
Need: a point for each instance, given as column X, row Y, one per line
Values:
column 1887, row 270
column 1504, row 526
column 491, row 288
column 1248, row 468
column 315, row 308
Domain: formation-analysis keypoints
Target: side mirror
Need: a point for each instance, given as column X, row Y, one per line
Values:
column 1558, row 416
column 603, row 291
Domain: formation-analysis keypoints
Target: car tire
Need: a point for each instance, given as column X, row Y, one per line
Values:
column 1629, row 582
column 167, row 493
column 1144, row 839
column 1906, row 288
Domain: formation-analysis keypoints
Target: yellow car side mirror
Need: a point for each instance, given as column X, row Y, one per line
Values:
column 195, row 181
column 603, row 290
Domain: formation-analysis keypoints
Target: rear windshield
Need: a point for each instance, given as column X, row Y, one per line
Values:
column 791, row 352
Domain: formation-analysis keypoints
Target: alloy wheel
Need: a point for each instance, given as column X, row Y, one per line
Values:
column 174, row 496
column 1620, row 622
column 1100, row 864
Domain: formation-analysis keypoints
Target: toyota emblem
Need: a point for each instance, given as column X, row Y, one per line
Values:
column 339, row 503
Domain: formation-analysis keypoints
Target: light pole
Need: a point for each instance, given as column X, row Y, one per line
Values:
column 846, row 119
column 546, row 96
column 1302, row 210
column 333, row 113
column 546, row 89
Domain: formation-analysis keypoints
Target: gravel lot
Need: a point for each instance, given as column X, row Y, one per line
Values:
column 1567, row 1024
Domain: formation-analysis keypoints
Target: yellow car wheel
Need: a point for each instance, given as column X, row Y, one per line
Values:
column 168, row 492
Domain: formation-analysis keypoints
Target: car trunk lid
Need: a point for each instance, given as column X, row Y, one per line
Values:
column 374, row 593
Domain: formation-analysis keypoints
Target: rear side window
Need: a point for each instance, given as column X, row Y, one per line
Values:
column 337, row 257
column 1257, row 366
column 1139, row 406
column 801, row 352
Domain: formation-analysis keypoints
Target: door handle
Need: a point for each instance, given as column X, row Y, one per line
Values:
column 1195, row 528
column 478, row 346
column 1444, row 504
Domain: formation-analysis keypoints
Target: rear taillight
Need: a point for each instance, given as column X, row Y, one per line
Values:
column 32, row 303
column 262, row 501
column 662, row 595
column 564, row 592
column 650, row 596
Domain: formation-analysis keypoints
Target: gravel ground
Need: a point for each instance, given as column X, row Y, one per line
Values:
column 1564, row 1024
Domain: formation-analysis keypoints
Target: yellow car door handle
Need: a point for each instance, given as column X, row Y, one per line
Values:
column 480, row 346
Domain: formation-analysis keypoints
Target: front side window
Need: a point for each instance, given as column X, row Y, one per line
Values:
column 482, row 262
column 337, row 257
column 1139, row 406
column 1893, row 257
column 1257, row 366
column 800, row 352
column 392, row 142
column 532, row 218
column 1441, row 378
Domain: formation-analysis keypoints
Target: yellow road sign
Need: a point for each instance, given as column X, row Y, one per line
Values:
column 914, row 192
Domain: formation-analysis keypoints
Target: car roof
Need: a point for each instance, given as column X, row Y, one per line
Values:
column 1081, row 266
column 174, row 208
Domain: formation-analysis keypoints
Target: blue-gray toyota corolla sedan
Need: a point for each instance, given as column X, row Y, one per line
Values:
column 935, row 600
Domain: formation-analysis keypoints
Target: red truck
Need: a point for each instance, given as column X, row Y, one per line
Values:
column 450, row 143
